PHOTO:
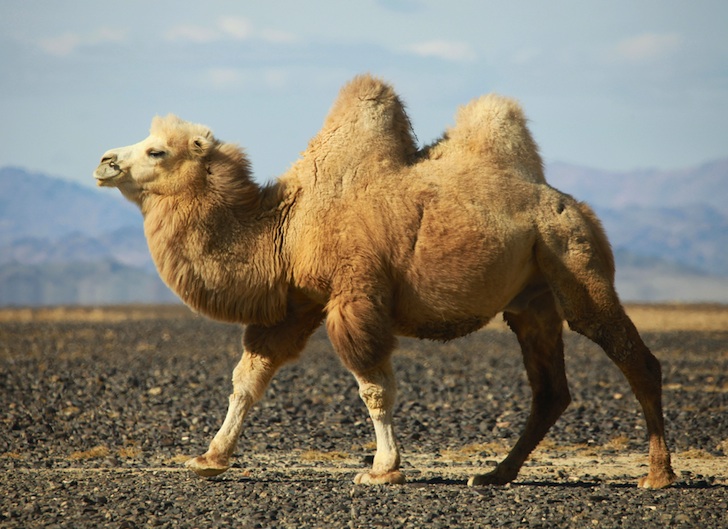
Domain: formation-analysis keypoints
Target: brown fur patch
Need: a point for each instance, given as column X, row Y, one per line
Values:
column 448, row 330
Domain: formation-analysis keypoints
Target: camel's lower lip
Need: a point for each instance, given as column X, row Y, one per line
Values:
column 105, row 174
column 102, row 182
column 107, row 180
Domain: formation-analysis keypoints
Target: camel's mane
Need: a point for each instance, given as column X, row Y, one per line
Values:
column 230, row 177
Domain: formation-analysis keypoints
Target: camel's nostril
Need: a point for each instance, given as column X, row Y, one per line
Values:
column 108, row 158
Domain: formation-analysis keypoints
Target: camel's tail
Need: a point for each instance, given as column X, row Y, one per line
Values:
column 369, row 117
column 495, row 127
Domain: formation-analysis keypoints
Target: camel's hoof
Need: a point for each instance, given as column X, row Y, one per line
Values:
column 202, row 466
column 395, row 477
column 491, row 478
column 657, row 480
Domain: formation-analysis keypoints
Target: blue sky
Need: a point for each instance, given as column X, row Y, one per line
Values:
column 613, row 85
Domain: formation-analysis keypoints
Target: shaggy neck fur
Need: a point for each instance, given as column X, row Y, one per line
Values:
column 214, row 242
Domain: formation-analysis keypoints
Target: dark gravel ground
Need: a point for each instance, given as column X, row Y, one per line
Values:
column 98, row 417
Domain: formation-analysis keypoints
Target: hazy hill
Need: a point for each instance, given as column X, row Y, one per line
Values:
column 62, row 243
column 36, row 205
column 694, row 236
column 680, row 216
column 125, row 246
column 706, row 184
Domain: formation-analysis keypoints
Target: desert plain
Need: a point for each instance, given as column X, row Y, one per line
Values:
column 101, row 406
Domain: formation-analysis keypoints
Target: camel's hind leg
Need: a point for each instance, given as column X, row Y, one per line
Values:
column 575, row 257
column 539, row 330
column 617, row 335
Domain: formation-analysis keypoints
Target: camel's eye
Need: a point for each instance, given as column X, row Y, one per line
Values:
column 153, row 153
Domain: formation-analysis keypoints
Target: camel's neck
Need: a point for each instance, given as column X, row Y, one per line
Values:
column 224, row 262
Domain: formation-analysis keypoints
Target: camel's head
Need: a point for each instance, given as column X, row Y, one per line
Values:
column 171, row 159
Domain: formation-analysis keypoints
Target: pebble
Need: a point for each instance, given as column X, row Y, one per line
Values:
column 71, row 387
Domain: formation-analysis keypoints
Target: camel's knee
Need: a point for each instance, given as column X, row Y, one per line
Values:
column 378, row 389
column 377, row 398
column 551, row 397
column 252, row 374
column 560, row 400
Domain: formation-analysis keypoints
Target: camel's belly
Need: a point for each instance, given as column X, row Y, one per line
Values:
column 460, row 277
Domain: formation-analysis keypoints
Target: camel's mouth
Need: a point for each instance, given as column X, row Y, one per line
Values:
column 107, row 174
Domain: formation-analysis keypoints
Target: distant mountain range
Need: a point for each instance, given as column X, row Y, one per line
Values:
column 64, row 243
column 680, row 217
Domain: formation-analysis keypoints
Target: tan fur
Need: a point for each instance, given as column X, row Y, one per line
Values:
column 383, row 239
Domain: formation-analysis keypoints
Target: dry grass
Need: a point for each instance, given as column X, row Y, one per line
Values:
column 453, row 456
column 12, row 455
column 491, row 448
column 668, row 317
column 695, row 453
column 679, row 317
column 647, row 317
column 317, row 455
column 92, row 453
column 620, row 442
column 179, row 458
column 474, row 450
column 130, row 452
column 110, row 314
column 101, row 451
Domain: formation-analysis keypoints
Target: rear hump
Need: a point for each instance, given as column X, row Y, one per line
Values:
column 495, row 128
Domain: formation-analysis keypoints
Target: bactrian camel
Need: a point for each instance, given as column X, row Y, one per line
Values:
column 380, row 238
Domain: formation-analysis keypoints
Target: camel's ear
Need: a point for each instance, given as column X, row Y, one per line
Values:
column 200, row 145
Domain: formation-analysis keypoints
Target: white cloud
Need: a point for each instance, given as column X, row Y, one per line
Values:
column 444, row 49
column 62, row 45
column 526, row 56
column 237, row 28
column 196, row 34
column 236, row 78
column 276, row 78
column 225, row 78
column 648, row 46
column 226, row 28
column 277, row 37
column 66, row 44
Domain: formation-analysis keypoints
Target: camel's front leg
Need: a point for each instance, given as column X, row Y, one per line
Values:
column 250, row 378
column 378, row 391
column 265, row 350
column 361, row 334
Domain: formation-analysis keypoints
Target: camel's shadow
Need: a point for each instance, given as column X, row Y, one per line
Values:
column 434, row 482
